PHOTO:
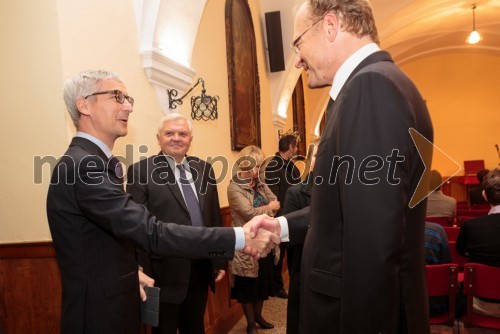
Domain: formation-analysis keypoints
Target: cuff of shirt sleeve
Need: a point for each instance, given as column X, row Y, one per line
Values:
column 284, row 229
column 240, row 238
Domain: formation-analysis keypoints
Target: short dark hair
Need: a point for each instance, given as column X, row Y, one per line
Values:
column 481, row 174
column 286, row 141
column 435, row 180
column 491, row 186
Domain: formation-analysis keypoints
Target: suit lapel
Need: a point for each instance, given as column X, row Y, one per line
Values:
column 164, row 176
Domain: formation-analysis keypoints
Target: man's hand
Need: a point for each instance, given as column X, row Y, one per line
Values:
column 261, row 235
column 220, row 275
column 144, row 280
column 263, row 221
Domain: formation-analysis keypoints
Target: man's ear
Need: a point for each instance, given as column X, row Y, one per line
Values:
column 82, row 106
column 331, row 24
column 484, row 196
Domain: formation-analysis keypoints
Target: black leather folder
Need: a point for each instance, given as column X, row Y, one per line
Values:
column 150, row 309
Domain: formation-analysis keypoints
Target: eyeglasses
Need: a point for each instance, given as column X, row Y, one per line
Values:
column 118, row 95
column 296, row 42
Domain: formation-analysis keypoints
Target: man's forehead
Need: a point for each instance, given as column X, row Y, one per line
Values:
column 178, row 124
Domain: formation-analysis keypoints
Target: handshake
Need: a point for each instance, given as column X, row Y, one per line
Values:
column 262, row 234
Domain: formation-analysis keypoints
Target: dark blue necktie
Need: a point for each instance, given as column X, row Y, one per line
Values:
column 190, row 198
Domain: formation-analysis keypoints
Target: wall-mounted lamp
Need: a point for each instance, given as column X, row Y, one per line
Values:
column 474, row 36
column 203, row 107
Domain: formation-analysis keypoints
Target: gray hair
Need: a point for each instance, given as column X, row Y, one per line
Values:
column 174, row 117
column 356, row 15
column 81, row 85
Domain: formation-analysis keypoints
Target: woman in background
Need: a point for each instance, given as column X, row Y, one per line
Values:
column 248, row 197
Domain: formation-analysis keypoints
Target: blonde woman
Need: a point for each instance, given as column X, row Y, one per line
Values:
column 248, row 196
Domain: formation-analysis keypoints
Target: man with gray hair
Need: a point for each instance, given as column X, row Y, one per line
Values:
column 96, row 226
column 159, row 183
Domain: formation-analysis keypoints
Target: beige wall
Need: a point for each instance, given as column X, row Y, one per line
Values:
column 462, row 93
column 32, row 119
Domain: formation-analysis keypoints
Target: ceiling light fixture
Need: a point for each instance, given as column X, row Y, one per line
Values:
column 474, row 36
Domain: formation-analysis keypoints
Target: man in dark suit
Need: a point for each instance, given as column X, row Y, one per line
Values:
column 183, row 282
column 479, row 238
column 363, row 258
column 280, row 174
column 298, row 197
column 96, row 226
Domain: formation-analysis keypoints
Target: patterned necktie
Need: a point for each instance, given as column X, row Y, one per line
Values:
column 116, row 166
column 190, row 198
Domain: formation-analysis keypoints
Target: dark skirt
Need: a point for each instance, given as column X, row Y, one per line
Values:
column 250, row 289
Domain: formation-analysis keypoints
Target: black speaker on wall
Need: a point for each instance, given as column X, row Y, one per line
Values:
column 274, row 42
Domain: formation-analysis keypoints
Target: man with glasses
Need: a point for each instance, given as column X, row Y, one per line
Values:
column 362, row 264
column 96, row 226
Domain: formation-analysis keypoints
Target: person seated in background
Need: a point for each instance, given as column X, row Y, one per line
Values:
column 476, row 194
column 479, row 238
column 437, row 251
column 439, row 204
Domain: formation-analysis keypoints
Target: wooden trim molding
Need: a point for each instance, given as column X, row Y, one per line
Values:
column 27, row 250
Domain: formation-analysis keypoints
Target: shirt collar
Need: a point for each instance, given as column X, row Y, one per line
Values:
column 348, row 67
column 96, row 141
column 495, row 209
column 174, row 164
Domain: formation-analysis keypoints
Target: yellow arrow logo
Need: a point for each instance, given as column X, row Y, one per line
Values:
column 427, row 150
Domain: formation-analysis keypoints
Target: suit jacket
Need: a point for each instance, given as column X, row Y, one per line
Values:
column 152, row 182
column 479, row 240
column 96, row 228
column 363, row 262
column 440, row 205
column 280, row 175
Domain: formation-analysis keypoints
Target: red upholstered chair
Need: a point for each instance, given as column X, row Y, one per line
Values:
column 442, row 281
column 451, row 232
column 443, row 221
column 482, row 281
column 461, row 219
column 462, row 205
column 486, row 207
column 472, row 212
column 456, row 257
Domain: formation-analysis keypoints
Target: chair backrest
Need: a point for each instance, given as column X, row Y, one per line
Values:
column 442, row 280
column 472, row 212
column 461, row 219
column 483, row 281
column 451, row 232
column 443, row 221
column 456, row 257
column 481, row 207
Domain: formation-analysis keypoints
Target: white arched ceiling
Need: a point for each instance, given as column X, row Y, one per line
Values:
column 428, row 27
column 409, row 29
column 167, row 33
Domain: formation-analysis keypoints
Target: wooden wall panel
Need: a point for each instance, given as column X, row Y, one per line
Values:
column 30, row 292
